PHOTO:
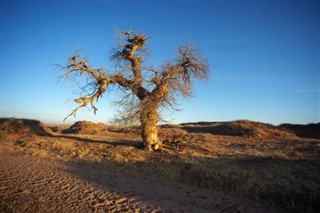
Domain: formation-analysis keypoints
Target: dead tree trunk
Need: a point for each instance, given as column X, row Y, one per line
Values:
column 149, row 118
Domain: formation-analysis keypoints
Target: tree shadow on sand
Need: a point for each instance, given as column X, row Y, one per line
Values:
column 147, row 192
column 134, row 143
column 183, row 185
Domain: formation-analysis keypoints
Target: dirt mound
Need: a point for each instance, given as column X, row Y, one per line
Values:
column 171, row 134
column 85, row 127
column 12, row 129
column 242, row 128
column 304, row 131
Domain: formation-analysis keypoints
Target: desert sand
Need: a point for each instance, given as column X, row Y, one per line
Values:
column 202, row 167
column 33, row 184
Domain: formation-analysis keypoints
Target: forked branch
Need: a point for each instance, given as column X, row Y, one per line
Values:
column 128, row 52
column 78, row 66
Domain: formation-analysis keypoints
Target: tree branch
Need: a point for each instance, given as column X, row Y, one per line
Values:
column 78, row 66
column 134, row 43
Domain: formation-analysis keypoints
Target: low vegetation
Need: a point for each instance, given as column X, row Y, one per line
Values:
column 304, row 131
column 13, row 129
column 254, row 161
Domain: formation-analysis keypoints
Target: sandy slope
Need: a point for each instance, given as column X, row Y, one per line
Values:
column 30, row 184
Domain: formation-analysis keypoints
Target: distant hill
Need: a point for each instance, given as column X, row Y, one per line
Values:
column 242, row 128
column 303, row 131
column 13, row 129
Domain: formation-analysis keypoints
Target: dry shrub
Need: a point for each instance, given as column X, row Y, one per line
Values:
column 166, row 133
column 85, row 127
column 173, row 137
column 12, row 129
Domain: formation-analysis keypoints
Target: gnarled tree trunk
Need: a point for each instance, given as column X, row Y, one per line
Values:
column 149, row 118
column 171, row 79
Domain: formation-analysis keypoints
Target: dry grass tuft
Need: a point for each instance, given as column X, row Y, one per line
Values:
column 170, row 133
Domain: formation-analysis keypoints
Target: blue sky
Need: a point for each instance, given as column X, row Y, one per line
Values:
column 264, row 55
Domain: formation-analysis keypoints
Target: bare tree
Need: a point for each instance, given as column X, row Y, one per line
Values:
column 145, row 89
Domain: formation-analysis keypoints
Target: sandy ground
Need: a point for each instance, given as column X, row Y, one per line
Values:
column 34, row 184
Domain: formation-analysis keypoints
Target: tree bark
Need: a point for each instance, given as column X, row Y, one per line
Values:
column 149, row 118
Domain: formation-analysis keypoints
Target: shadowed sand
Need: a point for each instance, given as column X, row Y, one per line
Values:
column 31, row 184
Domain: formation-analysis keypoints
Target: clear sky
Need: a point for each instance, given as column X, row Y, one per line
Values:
column 264, row 55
